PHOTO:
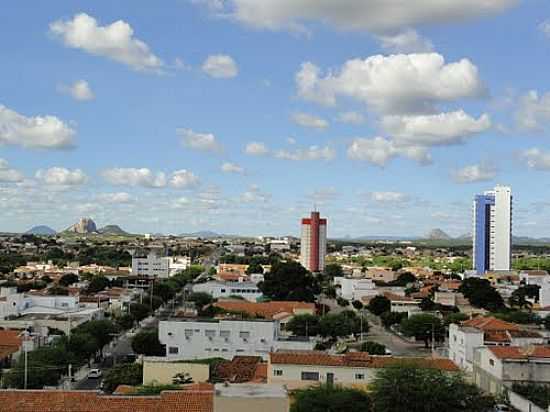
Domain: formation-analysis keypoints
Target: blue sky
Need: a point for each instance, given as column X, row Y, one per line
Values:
column 238, row 116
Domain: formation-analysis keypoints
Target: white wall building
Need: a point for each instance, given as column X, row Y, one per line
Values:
column 246, row 290
column 153, row 265
column 544, row 292
column 492, row 230
column 188, row 339
column 355, row 289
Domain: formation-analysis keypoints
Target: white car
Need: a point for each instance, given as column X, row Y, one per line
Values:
column 94, row 374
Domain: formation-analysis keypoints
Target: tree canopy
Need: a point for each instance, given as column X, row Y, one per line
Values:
column 290, row 281
column 423, row 326
column 304, row 325
column 379, row 304
column 328, row 398
column 412, row 389
column 125, row 374
column 481, row 294
column 147, row 343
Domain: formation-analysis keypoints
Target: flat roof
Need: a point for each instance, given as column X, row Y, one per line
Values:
column 250, row 390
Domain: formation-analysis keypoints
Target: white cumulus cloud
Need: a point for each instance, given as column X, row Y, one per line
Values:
column 533, row 112
column 380, row 151
column 474, row 173
column 60, row 176
column 354, row 118
column 405, row 41
column 364, row 15
column 433, row 130
column 43, row 132
column 310, row 153
column 183, row 179
column 228, row 167
column 135, row 177
column 389, row 197
column 220, row 66
column 206, row 142
column 79, row 90
column 115, row 41
column 119, row 197
column 9, row 175
column 398, row 84
column 536, row 159
column 309, row 120
column 256, row 149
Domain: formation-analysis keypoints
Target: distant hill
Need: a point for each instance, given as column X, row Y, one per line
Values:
column 204, row 234
column 41, row 231
column 438, row 234
column 112, row 230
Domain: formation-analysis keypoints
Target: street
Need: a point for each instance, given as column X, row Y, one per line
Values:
column 398, row 346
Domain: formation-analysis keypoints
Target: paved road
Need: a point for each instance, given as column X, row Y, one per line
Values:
column 121, row 348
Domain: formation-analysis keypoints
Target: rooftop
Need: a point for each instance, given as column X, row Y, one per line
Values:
column 521, row 353
column 194, row 399
column 357, row 360
column 249, row 390
column 265, row 309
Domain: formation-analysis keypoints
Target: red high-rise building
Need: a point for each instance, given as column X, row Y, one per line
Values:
column 314, row 243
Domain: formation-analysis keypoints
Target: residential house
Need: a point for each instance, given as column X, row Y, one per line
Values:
column 160, row 371
column 225, row 338
column 356, row 369
column 499, row 367
column 247, row 290
column 464, row 339
column 381, row 275
column 355, row 289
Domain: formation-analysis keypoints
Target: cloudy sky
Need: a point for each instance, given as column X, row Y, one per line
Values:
column 240, row 115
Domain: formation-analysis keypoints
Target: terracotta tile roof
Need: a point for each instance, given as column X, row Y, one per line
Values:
column 451, row 285
column 265, row 309
column 231, row 276
column 357, row 360
column 500, row 336
column 517, row 352
column 240, row 370
column 191, row 400
column 10, row 338
column 490, row 323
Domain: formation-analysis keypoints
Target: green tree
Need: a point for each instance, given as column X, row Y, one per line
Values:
column 68, row 279
column 373, row 348
column 97, row 284
column 342, row 302
column 412, row 389
column 427, row 305
column 147, row 343
column 103, row 331
column 125, row 374
column 481, row 294
column 290, row 281
column 164, row 290
column 357, row 304
column 304, row 325
column 333, row 270
column 82, row 345
column 455, row 318
column 201, row 299
column 392, row 318
column 378, row 305
column 139, row 311
column 329, row 398
column 342, row 324
column 125, row 322
column 423, row 326
column 254, row 268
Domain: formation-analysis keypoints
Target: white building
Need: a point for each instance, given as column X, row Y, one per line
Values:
column 188, row 339
column 355, row 289
column 153, row 265
column 497, row 368
column 492, row 230
column 544, row 292
column 480, row 332
column 313, row 247
column 246, row 290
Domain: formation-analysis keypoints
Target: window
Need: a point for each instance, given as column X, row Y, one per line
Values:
column 173, row 350
column 244, row 335
column 277, row 372
column 310, row 376
column 491, row 362
column 223, row 291
column 188, row 332
column 210, row 333
column 240, row 350
column 359, row 376
column 225, row 350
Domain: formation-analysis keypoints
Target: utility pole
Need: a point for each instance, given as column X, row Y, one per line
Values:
column 26, row 360
column 433, row 339
column 70, row 376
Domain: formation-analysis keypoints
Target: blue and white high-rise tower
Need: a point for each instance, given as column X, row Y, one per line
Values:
column 492, row 232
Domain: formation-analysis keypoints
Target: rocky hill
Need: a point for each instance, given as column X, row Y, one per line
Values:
column 112, row 230
column 438, row 234
column 84, row 226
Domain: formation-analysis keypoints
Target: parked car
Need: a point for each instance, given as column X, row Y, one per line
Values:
column 94, row 374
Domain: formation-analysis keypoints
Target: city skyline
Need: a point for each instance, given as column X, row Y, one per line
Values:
column 195, row 124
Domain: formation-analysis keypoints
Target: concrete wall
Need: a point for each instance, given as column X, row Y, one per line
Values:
column 292, row 375
column 522, row 404
column 160, row 371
